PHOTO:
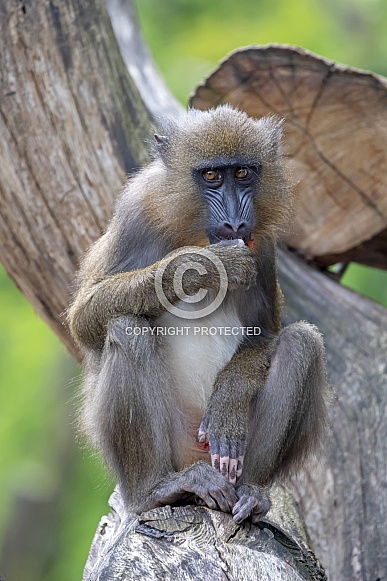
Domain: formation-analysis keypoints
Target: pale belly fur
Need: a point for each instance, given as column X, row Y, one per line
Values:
column 196, row 357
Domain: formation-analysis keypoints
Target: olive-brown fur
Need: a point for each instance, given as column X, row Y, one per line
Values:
column 268, row 401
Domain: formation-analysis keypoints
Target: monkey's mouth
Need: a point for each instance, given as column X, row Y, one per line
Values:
column 247, row 240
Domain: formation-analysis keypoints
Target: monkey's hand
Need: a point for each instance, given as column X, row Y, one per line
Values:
column 224, row 427
column 228, row 264
column 238, row 261
column 253, row 500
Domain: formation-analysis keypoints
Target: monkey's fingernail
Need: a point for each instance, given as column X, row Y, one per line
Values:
column 215, row 461
column 239, row 466
column 224, row 463
column 232, row 472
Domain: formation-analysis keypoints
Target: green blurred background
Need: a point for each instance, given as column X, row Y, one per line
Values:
column 53, row 492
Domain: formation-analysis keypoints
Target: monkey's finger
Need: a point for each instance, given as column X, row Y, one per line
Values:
column 240, row 448
column 224, row 464
column 215, row 461
column 202, row 431
column 231, row 497
column 201, row 436
column 230, row 242
column 229, row 501
column 240, row 466
column 232, row 471
column 204, row 423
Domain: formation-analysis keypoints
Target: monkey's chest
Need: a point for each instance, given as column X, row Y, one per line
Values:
column 197, row 349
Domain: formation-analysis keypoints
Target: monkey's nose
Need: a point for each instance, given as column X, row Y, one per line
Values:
column 233, row 230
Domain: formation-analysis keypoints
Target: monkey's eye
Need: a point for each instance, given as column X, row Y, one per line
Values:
column 212, row 175
column 242, row 172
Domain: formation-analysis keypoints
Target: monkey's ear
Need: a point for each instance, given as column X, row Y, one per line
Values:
column 162, row 143
column 272, row 127
column 161, row 140
column 277, row 131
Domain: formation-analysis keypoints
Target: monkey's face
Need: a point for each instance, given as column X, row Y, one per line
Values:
column 229, row 192
column 224, row 177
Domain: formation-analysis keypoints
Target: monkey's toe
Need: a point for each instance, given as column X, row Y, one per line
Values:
column 252, row 501
column 214, row 490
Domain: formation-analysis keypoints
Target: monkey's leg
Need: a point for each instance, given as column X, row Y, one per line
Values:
column 289, row 414
column 225, row 422
column 132, row 414
column 286, row 415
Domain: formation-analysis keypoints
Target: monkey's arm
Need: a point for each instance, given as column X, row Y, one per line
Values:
column 225, row 422
column 102, row 298
column 98, row 301
column 246, row 373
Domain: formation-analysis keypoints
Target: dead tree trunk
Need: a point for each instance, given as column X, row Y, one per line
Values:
column 73, row 122
column 343, row 496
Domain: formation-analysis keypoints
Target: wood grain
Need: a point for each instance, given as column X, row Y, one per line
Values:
column 72, row 125
column 336, row 132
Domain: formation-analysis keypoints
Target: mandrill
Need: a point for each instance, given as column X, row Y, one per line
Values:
column 192, row 391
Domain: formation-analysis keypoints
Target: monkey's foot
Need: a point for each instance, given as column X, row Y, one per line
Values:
column 200, row 480
column 253, row 501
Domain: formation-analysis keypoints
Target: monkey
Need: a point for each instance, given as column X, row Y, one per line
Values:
column 196, row 415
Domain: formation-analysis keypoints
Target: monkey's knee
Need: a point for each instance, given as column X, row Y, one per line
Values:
column 300, row 358
column 301, row 338
column 301, row 355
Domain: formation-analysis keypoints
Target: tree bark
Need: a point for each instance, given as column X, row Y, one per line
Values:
column 343, row 495
column 73, row 123
column 191, row 543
